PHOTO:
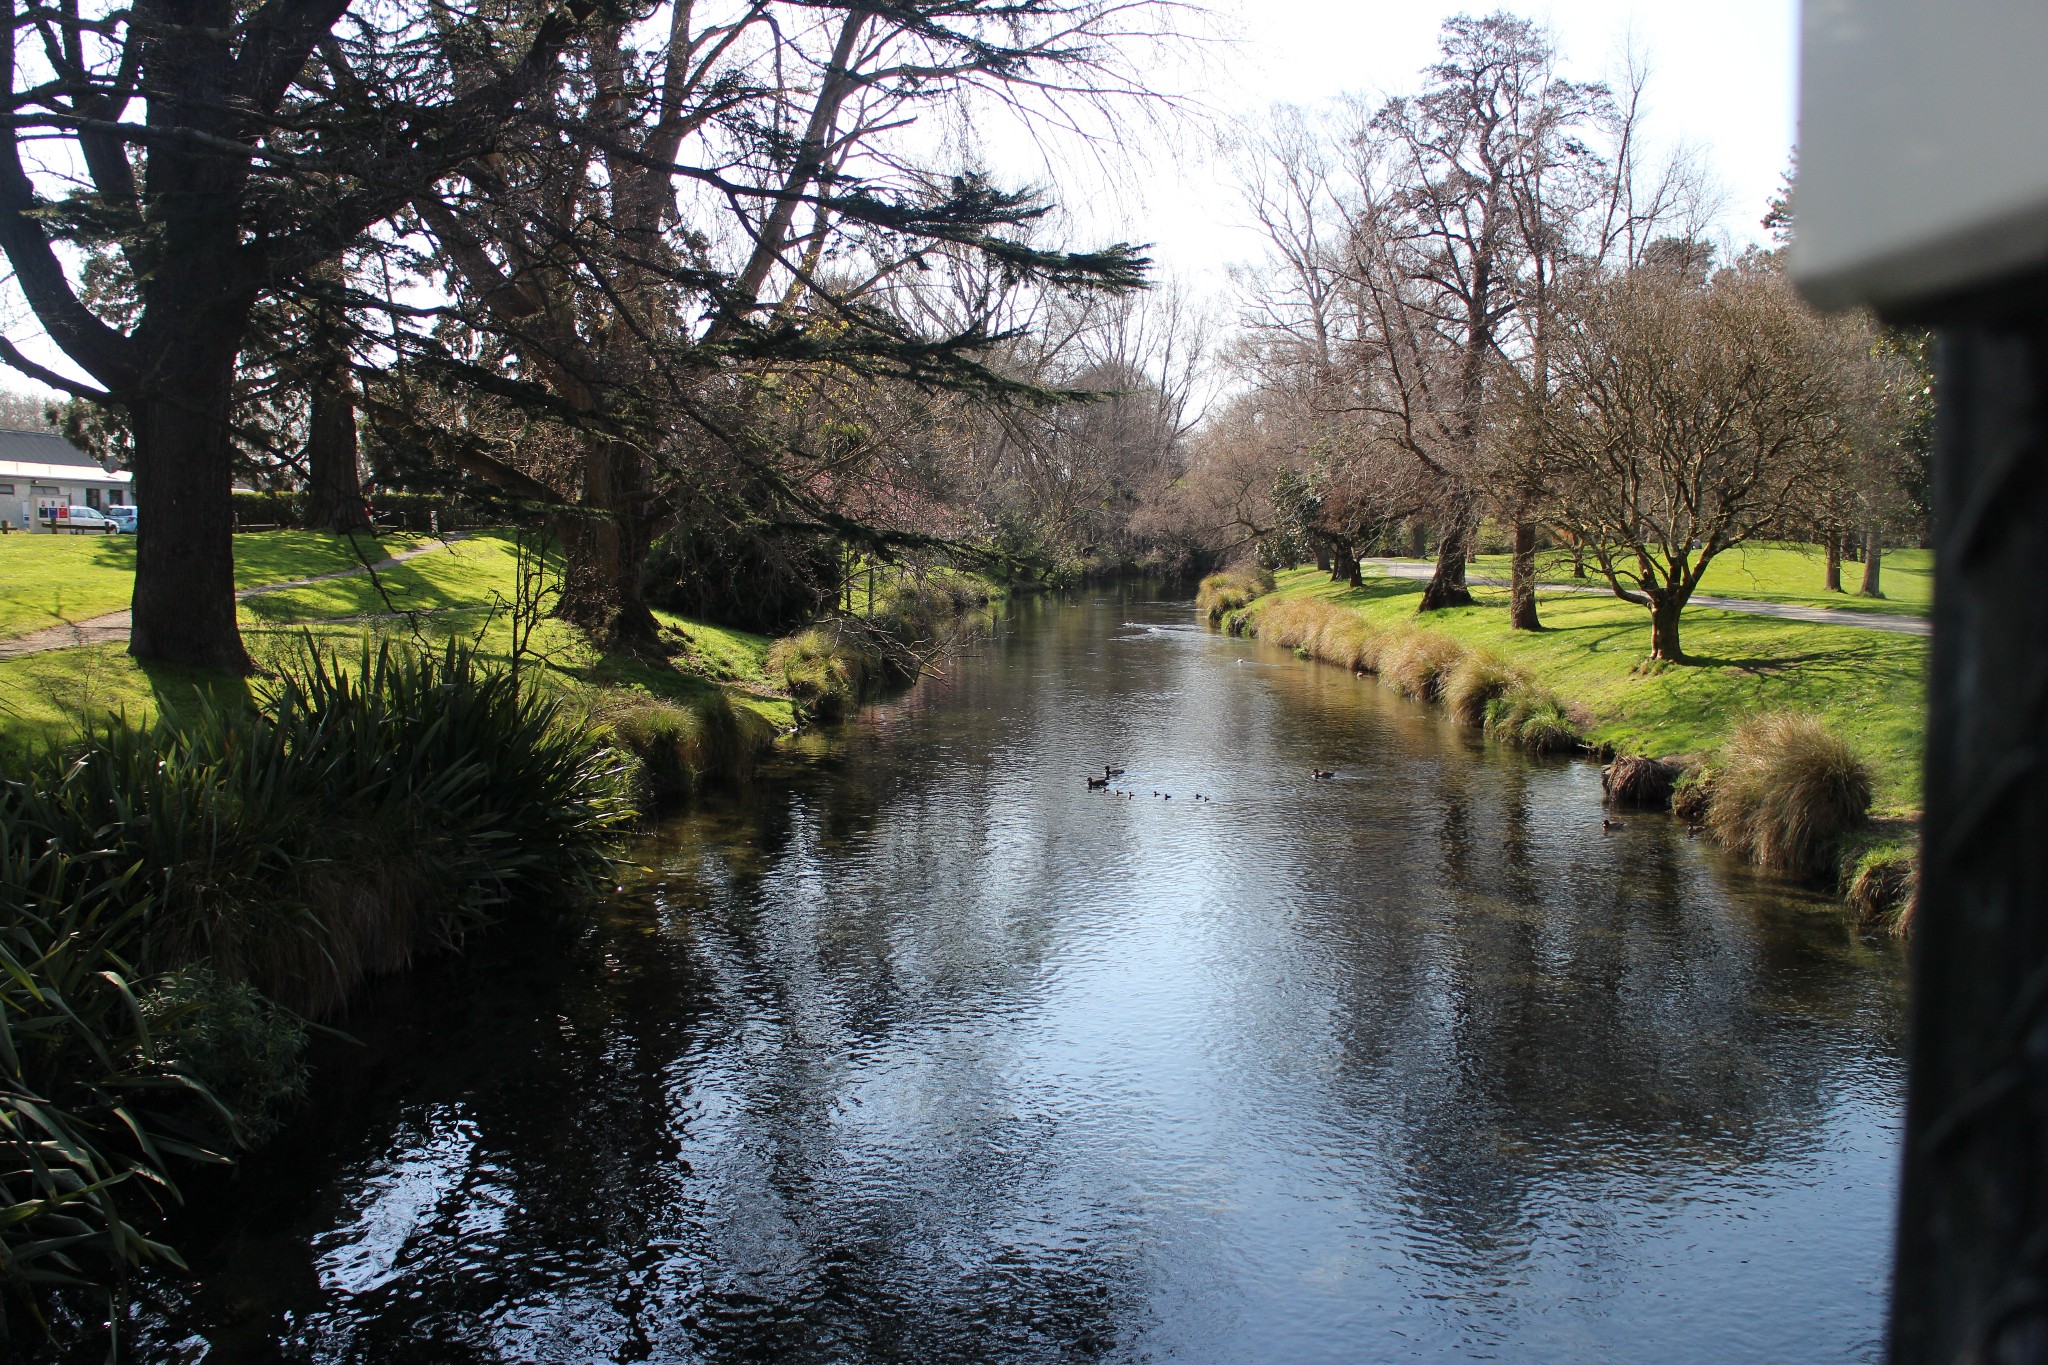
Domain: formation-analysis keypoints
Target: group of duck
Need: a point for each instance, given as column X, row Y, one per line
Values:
column 1109, row 773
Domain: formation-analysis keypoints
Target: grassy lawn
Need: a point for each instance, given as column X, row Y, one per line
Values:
column 1867, row 685
column 459, row 591
column 1775, row 573
column 49, row 580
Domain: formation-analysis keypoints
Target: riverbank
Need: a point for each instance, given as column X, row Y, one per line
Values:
column 1865, row 686
column 193, row 867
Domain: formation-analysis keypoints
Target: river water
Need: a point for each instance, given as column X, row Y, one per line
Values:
column 923, row 1051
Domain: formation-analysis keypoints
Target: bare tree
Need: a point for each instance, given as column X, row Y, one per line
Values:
column 1684, row 418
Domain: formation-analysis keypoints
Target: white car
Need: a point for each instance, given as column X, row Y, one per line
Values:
column 77, row 520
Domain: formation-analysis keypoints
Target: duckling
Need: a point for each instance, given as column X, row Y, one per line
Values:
column 1094, row 782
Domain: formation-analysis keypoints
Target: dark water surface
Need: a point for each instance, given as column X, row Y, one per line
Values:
column 922, row 1051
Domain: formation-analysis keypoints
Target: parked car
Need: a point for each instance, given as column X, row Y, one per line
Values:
column 122, row 514
column 76, row 520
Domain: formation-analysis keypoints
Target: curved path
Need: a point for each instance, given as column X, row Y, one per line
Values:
column 1787, row 611
column 113, row 627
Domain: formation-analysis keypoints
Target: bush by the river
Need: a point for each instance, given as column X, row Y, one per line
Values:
column 1881, row 884
column 830, row 668
column 682, row 746
column 175, row 899
column 1231, row 590
column 1785, row 791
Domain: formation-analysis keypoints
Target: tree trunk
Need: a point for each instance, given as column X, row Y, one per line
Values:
column 1522, row 580
column 1873, row 558
column 183, row 607
column 1418, row 540
column 605, row 544
column 1664, row 614
column 1356, row 577
column 1834, row 542
column 1578, row 559
column 1967, row 1279
column 1322, row 553
column 334, row 485
column 1447, row 585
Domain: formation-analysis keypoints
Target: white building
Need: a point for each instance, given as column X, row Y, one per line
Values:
column 42, row 469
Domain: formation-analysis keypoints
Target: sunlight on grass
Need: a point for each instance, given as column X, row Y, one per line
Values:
column 1868, row 686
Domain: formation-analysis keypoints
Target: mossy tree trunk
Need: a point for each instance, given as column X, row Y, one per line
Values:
column 1873, row 558
column 1522, row 580
column 1447, row 583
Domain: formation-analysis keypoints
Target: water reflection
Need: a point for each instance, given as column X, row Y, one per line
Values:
column 923, row 1051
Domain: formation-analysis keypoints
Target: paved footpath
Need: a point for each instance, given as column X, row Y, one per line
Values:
column 113, row 627
column 1786, row 611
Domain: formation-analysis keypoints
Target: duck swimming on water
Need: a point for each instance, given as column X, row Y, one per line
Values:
column 1108, row 771
column 1321, row 774
column 1098, row 782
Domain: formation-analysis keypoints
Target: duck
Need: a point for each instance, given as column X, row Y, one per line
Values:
column 1321, row 774
column 1607, row 824
column 1098, row 782
column 1108, row 771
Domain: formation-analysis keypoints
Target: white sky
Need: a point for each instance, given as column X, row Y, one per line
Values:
column 1722, row 79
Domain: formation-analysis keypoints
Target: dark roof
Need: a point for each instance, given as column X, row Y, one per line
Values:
column 43, row 447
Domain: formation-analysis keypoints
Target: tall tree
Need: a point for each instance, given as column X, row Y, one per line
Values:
column 270, row 136
column 720, row 207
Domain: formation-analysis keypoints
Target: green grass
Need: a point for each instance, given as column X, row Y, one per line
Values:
column 457, row 591
column 1867, row 686
column 50, row 580
column 1773, row 573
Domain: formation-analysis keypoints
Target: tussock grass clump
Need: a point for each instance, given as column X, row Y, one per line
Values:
column 683, row 746
column 1883, row 886
column 1417, row 663
column 1478, row 680
column 1635, row 780
column 1531, row 719
column 1317, row 630
column 1785, row 792
column 827, row 669
column 1231, row 590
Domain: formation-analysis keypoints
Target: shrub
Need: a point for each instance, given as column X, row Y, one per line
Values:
column 1531, row 719
column 682, row 746
column 91, row 1109
column 1231, row 590
column 1633, row 780
column 826, row 669
column 1478, row 680
column 1416, row 663
column 246, row 1051
column 160, row 887
column 1884, row 887
column 1693, row 793
column 1786, row 791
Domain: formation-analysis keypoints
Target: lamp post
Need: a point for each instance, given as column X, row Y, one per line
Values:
column 1923, row 193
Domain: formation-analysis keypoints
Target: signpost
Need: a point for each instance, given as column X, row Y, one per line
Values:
column 1923, row 192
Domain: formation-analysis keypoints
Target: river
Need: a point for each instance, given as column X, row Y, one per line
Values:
column 920, row 1050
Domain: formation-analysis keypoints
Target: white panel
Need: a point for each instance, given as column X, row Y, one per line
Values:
column 1923, row 147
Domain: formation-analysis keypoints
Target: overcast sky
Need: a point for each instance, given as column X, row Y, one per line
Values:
column 1721, row 79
